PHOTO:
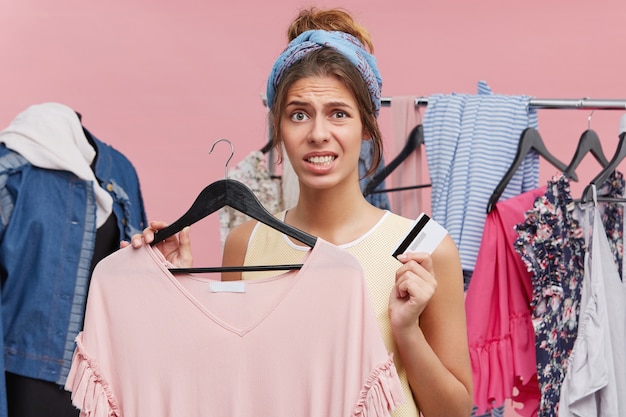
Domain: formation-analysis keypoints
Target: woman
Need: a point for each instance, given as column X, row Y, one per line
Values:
column 324, row 97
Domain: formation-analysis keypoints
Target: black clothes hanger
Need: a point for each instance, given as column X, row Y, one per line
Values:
column 408, row 187
column 590, row 195
column 620, row 154
column 529, row 139
column 270, row 142
column 265, row 150
column 232, row 193
column 588, row 142
column 413, row 141
column 267, row 147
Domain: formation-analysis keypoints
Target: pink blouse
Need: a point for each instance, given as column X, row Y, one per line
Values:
column 500, row 330
column 303, row 343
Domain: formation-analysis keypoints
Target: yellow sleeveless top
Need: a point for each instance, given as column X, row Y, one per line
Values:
column 374, row 251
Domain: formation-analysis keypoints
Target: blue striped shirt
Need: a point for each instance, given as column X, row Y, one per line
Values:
column 471, row 141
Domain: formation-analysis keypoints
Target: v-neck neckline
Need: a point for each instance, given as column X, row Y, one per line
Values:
column 254, row 292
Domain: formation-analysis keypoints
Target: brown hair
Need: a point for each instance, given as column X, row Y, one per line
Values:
column 329, row 19
column 328, row 62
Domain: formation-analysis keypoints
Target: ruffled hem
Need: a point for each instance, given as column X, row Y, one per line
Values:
column 91, row 394
column 381, row 393
column 505, row 365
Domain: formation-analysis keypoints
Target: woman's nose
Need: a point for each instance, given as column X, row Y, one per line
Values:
column 320, row 131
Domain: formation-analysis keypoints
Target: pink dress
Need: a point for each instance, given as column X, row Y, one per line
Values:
column 304, row 343
column 500, row 330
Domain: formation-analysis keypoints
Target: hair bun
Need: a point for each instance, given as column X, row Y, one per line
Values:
column 334, row 19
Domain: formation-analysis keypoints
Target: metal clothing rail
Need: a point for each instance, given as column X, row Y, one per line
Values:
column 550, row 103
column 538, row 103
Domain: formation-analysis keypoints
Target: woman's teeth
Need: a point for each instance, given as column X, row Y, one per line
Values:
column 321, row 160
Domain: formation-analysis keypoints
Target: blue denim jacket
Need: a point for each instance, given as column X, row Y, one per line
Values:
column 380, row 200
column 47, row 236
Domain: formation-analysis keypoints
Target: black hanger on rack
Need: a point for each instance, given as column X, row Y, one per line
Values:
column 530, row 139
column 589, row 142
column 270, row 142
column 267, row 147
column 590, row 195
column 618, row 157
column 265, row 150
column 413, row 141
column 232, row 193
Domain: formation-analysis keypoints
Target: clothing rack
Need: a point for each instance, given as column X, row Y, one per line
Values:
column 550, row 103
column 538, row 103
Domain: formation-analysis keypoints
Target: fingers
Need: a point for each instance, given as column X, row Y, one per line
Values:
column 137, row 241
column 415, row 279
column 419, row 263
column 147, row 235
column 148, row 232
column 409, row 285
column 422, row 258
column 158, row 225
column 123, row 244
column 414, row 288
column 185, row 241
column 185, row 245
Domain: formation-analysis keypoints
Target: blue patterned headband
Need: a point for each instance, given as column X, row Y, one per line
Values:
column 346, row 44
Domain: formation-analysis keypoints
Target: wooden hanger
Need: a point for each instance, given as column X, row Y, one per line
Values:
column 413, row 141
column 232, row 193
column 529, row 139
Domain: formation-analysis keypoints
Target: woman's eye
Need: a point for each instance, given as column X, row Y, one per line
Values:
column 298, row 116
column 340, row 115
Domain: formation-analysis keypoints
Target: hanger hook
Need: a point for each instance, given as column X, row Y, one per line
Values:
column 589, row 119
column 594, row 195
column 232, row 152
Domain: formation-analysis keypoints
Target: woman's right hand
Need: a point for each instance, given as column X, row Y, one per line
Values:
column 176, row 249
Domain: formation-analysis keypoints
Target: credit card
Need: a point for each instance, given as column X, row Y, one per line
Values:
column 424, row 236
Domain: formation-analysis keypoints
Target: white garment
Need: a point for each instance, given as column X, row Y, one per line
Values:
column 50, row 136
column 595, row 384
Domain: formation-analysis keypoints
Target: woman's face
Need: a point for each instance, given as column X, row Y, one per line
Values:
column 322, row 132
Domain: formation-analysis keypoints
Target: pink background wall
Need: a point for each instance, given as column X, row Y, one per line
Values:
column 162, row 80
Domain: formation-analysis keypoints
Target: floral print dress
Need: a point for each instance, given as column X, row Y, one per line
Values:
column 253, row 172
column 552, row 245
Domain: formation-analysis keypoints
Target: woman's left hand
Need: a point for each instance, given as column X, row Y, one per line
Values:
column 415, row 286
